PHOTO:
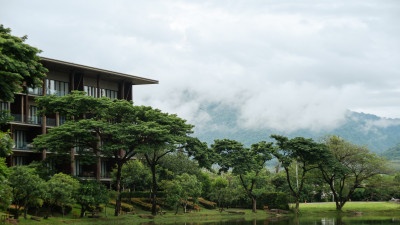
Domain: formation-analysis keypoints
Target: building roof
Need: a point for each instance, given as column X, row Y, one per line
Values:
column 136, row 80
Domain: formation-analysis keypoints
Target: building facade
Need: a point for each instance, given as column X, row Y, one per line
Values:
column 62, row 78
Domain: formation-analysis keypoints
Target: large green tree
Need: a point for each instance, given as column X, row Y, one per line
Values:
column 26, row 186
column 351, row 166
column 305, row 154
column 60, row 190
column 244, row 162
column 136, row 176
column 91, row 193
column 113, row 129
column 20, row 65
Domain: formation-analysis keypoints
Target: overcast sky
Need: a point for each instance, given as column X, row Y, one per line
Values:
column 282, row 64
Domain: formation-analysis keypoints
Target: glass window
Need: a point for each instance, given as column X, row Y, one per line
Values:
column 55, row 87
column 3, row 106
column 33, row 115
column 20, row 139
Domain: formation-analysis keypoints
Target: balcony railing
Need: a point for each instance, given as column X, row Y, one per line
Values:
column 37, row 120
column 34, row 120
column 17, row 117
column 51, row 122
column 23, row 145
column 35, row 91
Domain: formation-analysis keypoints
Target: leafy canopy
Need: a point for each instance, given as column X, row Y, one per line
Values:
column 19, row 65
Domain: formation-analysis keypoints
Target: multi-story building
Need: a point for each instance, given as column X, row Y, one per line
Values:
column 62, row 78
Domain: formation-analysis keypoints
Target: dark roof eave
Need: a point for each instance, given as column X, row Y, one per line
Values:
column 135, row 79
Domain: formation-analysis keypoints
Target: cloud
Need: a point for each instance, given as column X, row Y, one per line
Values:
column 285, row 65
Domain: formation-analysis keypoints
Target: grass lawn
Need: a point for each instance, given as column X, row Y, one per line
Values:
column 368, row 209
column 364, row 207
column 169, row 217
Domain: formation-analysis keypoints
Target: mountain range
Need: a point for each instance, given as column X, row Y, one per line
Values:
column 377, row 133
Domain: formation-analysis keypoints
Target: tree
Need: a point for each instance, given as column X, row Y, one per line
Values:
column 174, row 138
column 305, row 153
column 181, row 190
column 173, row 192
column 91, row 193
column 243, row 161
column 5, row 189
column 61, row 189
column 26, row 187
column 20, row 65
column 180, row 163
column 351, row 166
column 135, row 176
column 191, row 188
column 113, row 129
column 222, row 193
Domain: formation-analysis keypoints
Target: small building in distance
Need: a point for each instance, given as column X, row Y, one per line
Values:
column 62, row 78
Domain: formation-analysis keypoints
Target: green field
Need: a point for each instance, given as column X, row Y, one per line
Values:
column 369, row 209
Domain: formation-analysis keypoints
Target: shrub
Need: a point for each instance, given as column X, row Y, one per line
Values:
column 124, row 206
column 207, row 204
column 141, row 202
column 274, row 200
column 141, row 194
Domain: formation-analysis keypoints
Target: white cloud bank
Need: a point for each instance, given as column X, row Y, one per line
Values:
column 285, row 65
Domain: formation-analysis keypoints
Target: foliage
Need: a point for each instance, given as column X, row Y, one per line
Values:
column 243, row 161
column 6, row 144
column 135, row 176
column 5, row 194
column 351, row 167
column 140, row 194
column 207, row 204
column 179, row 163
column 140, row 202
column 123, row 129
column 60, row 190
column 274, row 200
column 91, row 193
column 179, row 191
column 305, row 153
column 4, row 170
column 124, row 206
column 205, row 180
column 20, row 65
column 173, row 192
column 26, row 186
column 191, row 188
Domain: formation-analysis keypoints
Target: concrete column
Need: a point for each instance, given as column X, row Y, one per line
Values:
column 44, row 121
column 98, row 86
column 26, row 108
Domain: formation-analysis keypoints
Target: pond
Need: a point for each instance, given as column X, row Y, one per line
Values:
column 339, row 220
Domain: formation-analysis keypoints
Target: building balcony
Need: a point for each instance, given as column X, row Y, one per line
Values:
column 34, row 120
column 23, row 145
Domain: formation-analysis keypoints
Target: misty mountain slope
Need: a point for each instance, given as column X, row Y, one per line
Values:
column 379, row 134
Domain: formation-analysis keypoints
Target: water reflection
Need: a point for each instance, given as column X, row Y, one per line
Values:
column 301, row 220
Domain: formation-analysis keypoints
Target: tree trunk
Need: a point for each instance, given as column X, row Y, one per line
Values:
column 254, row 204
column 25, row 209
column 154, row 190
column 63, row 211
column 82, row 211
column 119, row 189
column 297, row 204
column 177, row 208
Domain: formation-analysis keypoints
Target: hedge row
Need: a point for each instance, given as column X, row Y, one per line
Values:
column 141, row 202
column 141, row 194
column 274, row 200
column 124, row 206
column 207, row 204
